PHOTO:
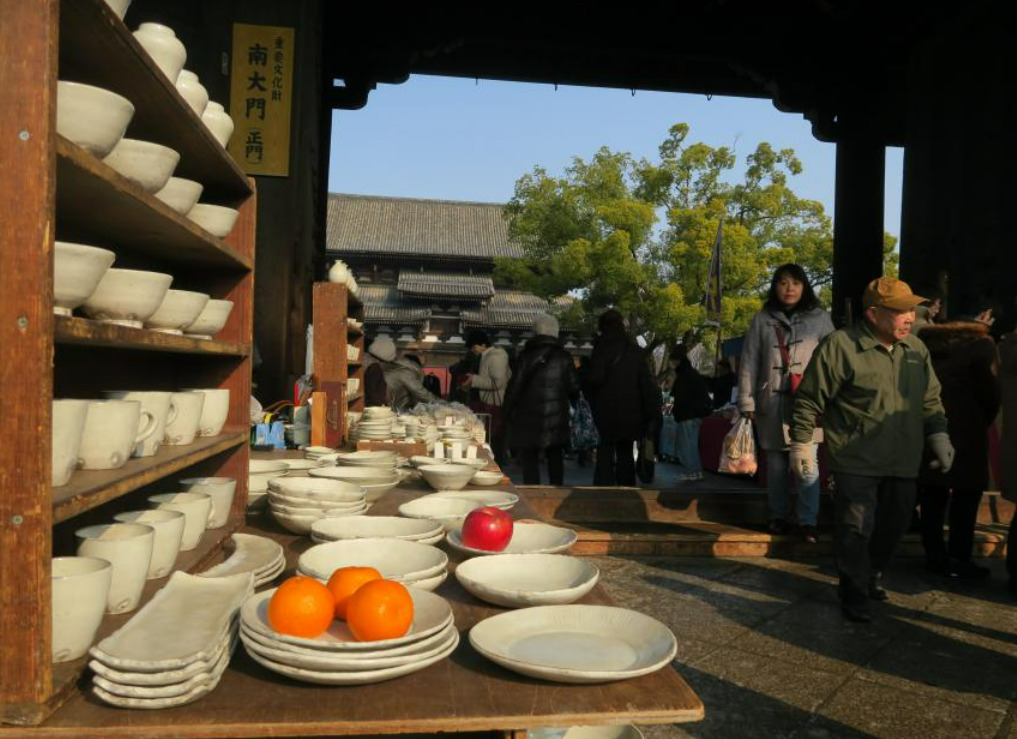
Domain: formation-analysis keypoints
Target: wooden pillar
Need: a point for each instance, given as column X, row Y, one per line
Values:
column 858, row 219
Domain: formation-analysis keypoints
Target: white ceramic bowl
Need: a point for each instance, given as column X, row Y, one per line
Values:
column 475, row 463
column 178, row 309
column 261, row 471
column 494, row 498
column 148, row 165
column 197, row 510
column 311, row 488
column 212, row 318
column 180, row 194
column 358, row 475
column 395, row 559
column 373, row 492
column 375, row 527
column 127, row 297
column 220, row 489
column 385, row 460
column 169, row 533
column 447, row 476
column 304, row 507
column 126, row 546
column 218, row 220
column 486, row 478
column 80, row 590
column 521, row 580
column 91, row 117
column 527, row 538
column 77, row 270
column 449, row 512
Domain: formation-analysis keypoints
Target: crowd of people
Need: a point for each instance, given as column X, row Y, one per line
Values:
column 902, row 406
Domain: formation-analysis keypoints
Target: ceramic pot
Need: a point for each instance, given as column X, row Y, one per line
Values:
column 182, row 430
column 214, row 411
column 192, row 91
column 68, row 427
column 179, row 308
column 80, row 591
column 127, row 297
column 146, row 164
column 169, row 532
column 220, row 490
column 197, row 510
column 77, row 270
column 91, row 117
column 164, row 47
column 157, row 404
column 112, row 430
column 126, row 546
column 180, row 194
column 218, row 122
column 211, row 320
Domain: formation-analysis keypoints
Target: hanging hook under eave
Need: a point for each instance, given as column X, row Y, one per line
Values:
column 709, row 96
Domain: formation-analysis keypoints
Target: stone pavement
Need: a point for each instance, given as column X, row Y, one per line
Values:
column 764, row 645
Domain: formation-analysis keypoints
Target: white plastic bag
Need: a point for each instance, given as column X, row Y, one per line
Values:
column 738, row 455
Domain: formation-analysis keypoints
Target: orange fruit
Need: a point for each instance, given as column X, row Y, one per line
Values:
column 301, row 606
column 345, row 581
column 380, row 609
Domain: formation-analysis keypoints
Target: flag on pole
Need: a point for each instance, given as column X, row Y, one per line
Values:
column 714, row 291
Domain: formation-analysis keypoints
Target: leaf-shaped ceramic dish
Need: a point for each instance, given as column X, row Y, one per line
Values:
column 167, row 677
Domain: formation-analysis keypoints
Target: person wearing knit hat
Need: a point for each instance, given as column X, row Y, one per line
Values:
column 383, row 348
column 380, row 351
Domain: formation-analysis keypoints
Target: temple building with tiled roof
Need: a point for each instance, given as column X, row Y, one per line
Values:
column 425, row 271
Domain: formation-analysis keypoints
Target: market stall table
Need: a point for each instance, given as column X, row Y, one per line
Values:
column 464, row 693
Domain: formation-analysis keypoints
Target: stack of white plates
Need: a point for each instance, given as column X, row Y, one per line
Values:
column 258, row 555
column 385, row 460
column 373, row 430
column 409, row 562
column 456, row 432
column 319, row 453
column 337, row 658
column 419, row 530
column 299, row 467
column 176, row 648
column 375, row 481
column 297, row 502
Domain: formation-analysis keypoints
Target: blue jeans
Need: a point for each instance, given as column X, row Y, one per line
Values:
column 777, row 489
column 687, row 449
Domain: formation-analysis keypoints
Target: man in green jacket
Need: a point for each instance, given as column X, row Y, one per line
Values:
column 872, row 388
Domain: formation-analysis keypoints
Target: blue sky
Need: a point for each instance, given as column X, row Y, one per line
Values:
column 455, row 139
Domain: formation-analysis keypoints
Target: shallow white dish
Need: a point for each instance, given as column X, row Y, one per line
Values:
column 169, row 690
column 299, row 467
column 144, row 163
column 521, row 580
column 91, row 117
column 527, row 538
column 261, row 471
column 362, row 677
column 305, row 506
column 494, row 498
column 358, row 475
column 251, row 553
column 374, row 492
column 369, row 459
column 182, row 623
column 371, row 527
column 163, row 677
column 395, row 559
column 431, row 614
column 486, row 478
column 447, row 476
column 575, row 643
column 429, row 583
column 301, row 524
column 334, row 491
column 448, row 511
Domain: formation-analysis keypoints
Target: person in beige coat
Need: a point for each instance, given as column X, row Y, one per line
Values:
column 778, row 346
column 491, row 380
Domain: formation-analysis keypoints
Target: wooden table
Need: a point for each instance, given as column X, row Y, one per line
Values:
column 464, row 693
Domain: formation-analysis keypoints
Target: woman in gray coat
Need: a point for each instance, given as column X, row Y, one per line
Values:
column 778, row 346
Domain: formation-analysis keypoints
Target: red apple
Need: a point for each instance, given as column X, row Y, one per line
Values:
column 487, row 528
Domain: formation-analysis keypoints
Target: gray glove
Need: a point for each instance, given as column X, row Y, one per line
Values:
column 943, row 450
column 803, row 462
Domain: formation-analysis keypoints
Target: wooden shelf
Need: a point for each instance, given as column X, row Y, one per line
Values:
column 68, row 330
column 97, row 48
column 67, row 674
column 95, row 204
column 88, row 489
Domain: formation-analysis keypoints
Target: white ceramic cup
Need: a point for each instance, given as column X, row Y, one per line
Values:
column 126, row 546
column 80, row 590
column 197, row 510
column 169, row 532
column 68, row 427
column 220, row 489
column 112, row 429
column 182, row 430
column 157, row 404
column 214, row 411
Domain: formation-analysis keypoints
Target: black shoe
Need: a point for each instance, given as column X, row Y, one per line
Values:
column 809, row 534
column 876, row 590
column 967, row 571
column 778, row 526
column 857, row 612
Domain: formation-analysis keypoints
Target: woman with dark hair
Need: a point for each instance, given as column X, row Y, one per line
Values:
column 778, row 346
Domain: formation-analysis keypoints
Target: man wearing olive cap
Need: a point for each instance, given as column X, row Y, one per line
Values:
column 872, row 388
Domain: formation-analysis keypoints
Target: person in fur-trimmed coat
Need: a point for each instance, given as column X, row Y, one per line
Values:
column 966, row 362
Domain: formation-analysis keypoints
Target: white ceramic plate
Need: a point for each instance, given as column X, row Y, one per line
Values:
column 575, row 644
column 183, row 623
column 334, row 491
column 172, row 690
column 368, row 656
column 520, row 580
column 431, row 614
column 353, row 678
column 495, row 498
column 527, row 538
column 318, row 511
column 429, row 583
column 154, row 703
column 250, row 554
column 298, row 504
column 167, row 677
column 395, row 559
column 486, row 478
column 370, row 527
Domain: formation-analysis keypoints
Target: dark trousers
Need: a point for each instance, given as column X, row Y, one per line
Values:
column 873, row 513
column 963, row 512
column 530, row 460
column 615, row 464
column 1011, row 553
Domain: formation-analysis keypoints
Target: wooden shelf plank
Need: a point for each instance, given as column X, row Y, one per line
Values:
column 98, row 205
column 67, row 330
column 88, row 489
column 98, row 49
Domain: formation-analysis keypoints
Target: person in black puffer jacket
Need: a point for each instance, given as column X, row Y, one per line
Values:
column 537, row 403
column 624, row 398
column 691, row 405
